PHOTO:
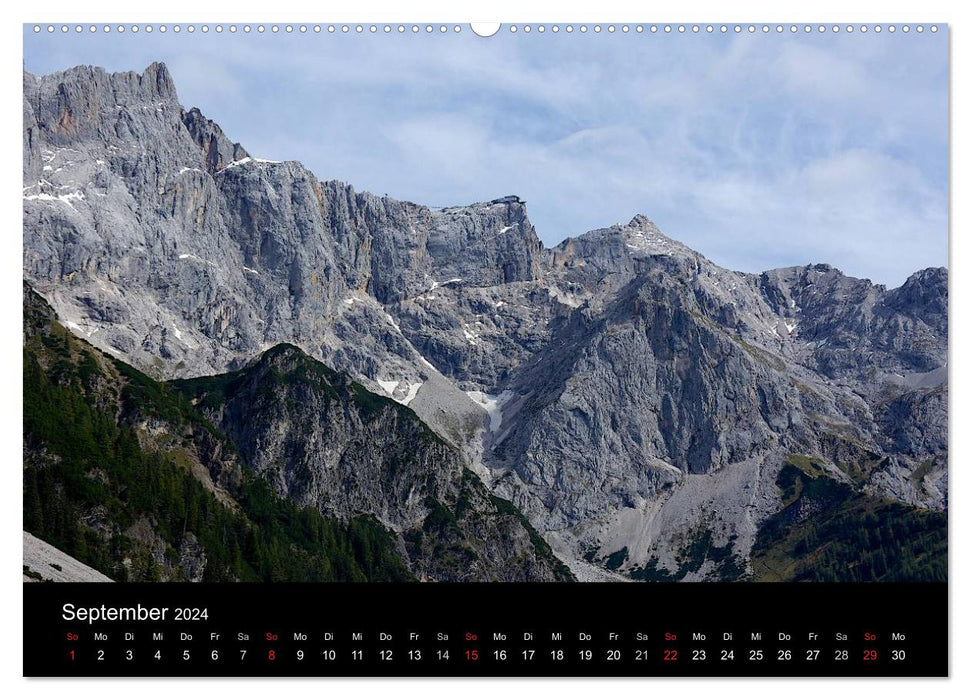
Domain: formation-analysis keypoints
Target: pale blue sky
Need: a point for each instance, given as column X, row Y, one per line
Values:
column 757, row 150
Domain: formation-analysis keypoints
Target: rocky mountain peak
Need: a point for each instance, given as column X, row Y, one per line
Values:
column 217, row 150
column 642, row 222
column 286, row 362
column 925, row 292
column 508, row 212
column 286, row 352
column 497, row 233
column 74, row 102
column 157, row 81
column 508, row 199
column 929, row 276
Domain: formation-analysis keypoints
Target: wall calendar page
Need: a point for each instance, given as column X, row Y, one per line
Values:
column 512, row 350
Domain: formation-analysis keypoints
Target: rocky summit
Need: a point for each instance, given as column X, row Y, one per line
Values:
column 653, row 415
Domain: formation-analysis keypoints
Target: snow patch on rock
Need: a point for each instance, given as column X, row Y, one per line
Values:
column 492, row 403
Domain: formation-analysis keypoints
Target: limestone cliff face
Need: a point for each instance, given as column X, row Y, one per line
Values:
column 620, row 388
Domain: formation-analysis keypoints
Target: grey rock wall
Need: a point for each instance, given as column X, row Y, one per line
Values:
column 618, row 387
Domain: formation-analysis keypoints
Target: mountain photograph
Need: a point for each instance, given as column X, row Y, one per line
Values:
column 236, row 370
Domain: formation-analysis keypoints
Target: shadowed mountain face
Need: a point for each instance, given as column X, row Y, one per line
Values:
column 623, row 391
column 285, row 470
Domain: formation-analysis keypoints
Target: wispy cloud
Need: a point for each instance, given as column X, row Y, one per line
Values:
column 759, row 151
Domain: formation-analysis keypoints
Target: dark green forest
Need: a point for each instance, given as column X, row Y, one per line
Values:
column 829, row 531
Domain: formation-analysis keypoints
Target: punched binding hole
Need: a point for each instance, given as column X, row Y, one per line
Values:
column 485, row 29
